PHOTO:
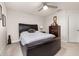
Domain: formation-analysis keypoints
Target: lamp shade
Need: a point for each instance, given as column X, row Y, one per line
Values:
column 41, row 27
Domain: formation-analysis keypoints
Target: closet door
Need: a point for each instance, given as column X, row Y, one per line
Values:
column 74, row 28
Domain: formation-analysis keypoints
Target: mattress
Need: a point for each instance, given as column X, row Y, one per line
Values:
column 31, row 39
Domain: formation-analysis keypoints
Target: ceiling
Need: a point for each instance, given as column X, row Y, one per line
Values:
column 33, row 7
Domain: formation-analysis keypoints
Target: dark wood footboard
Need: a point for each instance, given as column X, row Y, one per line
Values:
column 46, row 49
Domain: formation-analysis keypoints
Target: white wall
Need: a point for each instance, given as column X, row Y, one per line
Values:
column 3, row 33
column 15, row 17
column 62, row 20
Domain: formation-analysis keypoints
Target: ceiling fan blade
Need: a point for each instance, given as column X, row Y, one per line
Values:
column 52, row 6
column 40, row 9
column 42, row 4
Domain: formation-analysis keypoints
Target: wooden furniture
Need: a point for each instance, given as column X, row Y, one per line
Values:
column 44, row 49
column 55, row 30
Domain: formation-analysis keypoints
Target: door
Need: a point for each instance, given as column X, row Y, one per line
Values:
column 74, row 28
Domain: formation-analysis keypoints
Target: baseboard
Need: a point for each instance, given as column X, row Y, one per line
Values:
column 15, row 41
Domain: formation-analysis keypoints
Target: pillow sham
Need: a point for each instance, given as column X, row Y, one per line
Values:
column 31, row 30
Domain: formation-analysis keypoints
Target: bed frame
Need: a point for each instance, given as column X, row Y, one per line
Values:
column 45, row 49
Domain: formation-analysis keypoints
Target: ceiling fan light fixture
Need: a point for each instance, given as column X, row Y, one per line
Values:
column 45, row 7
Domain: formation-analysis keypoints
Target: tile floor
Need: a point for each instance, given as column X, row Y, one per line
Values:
column 13, row 50
column 67, row 49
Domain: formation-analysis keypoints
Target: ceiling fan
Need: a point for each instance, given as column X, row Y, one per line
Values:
column 45, row 6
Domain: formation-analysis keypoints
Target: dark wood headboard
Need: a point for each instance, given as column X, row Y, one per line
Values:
column 25, row 27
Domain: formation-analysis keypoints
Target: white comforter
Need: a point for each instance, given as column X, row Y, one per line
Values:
column 27, row 37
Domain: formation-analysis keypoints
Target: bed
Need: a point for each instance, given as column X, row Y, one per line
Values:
column 37, row 44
